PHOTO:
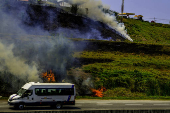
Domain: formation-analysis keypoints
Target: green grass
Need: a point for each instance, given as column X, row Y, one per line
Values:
column 127, row 98
column 145, row 32
column 131, row 70
column 4, row 98
column 139, row 72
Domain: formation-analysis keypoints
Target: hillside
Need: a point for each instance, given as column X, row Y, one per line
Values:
column 126, row 69
column 148, row 33
column 136, row 70
column 55, row 20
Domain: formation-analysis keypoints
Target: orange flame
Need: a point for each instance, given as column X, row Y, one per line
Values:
column 99, row 92
column 49, row 76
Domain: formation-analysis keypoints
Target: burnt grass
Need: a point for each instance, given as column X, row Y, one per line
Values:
column 111, row 46
column 52, row 18
column 124, row 47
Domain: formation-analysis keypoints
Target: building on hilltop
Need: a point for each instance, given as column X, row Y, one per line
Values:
column 126, row 15
column 64, row 4
column 139, row 17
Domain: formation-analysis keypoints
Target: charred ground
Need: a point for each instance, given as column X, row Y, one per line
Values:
column 52, row 18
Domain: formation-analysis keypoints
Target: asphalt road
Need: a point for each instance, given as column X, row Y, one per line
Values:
column 99, row 105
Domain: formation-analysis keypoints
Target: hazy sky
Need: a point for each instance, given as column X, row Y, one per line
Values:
column 159, row 9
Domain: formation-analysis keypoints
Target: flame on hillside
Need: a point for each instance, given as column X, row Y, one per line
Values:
column 49, row 76
column 99, row 92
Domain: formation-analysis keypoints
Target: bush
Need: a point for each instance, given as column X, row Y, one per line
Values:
column 121, row 92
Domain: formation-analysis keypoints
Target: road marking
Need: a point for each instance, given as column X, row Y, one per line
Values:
column 133, row 104
column 79, row 102
column 3, row 106
column 104, row 104
column 78, row 105
column 161, row 104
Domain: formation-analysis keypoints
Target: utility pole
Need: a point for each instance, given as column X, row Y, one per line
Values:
column 154, row 19
column 122, row 9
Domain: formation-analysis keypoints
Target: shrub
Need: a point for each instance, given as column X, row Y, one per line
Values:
column 122, row 92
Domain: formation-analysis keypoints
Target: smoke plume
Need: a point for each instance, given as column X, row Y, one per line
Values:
column 16, row 65
column 24, row 57
column 96, row 13
column 27, row 50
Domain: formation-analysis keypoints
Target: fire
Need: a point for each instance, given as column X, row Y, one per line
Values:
column 49, row 76
column 99, row 92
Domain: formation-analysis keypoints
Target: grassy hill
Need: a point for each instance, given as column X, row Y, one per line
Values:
column 131, row 70
column 136, row 69
column 145, row 32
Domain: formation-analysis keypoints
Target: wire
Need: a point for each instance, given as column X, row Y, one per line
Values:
column 158, row 19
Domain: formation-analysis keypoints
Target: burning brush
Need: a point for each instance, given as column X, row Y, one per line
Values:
column 49, row 76
column 99, row 92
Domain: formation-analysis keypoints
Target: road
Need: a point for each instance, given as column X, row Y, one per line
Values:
column 99, row 105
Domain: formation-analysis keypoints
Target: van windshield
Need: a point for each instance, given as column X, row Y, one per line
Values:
column 21, row 92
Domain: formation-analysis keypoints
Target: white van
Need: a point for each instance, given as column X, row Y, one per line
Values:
column 37, row 94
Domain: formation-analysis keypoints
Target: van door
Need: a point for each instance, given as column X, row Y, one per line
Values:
column 31, row 96
column 28, row 97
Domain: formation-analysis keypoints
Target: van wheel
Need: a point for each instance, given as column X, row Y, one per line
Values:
column 21, row 106
column 58, row 106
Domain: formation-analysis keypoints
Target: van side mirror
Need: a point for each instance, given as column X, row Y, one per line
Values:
column 25, row 95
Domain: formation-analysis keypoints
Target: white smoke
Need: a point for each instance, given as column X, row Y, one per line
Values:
column 96, row 13
column 25, row 57
column 72, row 33
column 16, row 65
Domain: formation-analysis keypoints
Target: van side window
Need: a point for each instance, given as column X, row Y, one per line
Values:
column 43, row 91
column 40, row 91
column 69, row 91
column 37, row 91
column 51, row 91
column 65, row 91
column 54, row 91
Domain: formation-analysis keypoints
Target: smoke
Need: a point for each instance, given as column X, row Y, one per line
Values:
column 75, row 33
column 96, row 13
column 8, row 61
column 49, row 53
column 15, row 65
column 24, row 57
column 83, row 81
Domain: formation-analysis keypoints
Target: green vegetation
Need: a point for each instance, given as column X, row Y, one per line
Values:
column 127, row 98
column 139, row 74
column 138, row 70
column 4, row 98
column 128, row 70
column 145, row 32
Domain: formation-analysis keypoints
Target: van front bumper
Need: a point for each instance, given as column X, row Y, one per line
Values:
column 10, row 103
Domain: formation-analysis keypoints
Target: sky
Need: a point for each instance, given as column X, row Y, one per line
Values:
column 150, row 9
